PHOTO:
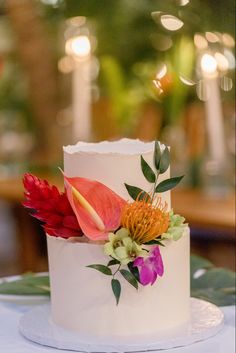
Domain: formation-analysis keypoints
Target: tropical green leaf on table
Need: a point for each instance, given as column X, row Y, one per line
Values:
column 135, row 192
column 164, row 161
column 199, row 263
column 130, row 278
column 219, row 297
column 28, row 284
column 157, row 154
column 116, row 288
column 168, row 184
column 217, row 278
column 216, row 285
column 101, row 268
column 147, row 171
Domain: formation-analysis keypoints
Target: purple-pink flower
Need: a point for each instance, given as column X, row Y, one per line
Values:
column 150, row 267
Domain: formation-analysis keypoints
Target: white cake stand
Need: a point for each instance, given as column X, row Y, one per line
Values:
column 206, row 321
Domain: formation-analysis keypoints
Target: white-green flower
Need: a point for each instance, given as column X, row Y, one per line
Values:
column 176, row 227
column 122, row 248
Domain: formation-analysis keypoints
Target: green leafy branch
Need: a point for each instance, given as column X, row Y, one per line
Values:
column 128, row 275
column 161, row 163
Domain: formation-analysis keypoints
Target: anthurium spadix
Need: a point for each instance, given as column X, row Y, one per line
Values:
column 97, row 208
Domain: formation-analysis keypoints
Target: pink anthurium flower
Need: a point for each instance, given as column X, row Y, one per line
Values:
column 97, row 208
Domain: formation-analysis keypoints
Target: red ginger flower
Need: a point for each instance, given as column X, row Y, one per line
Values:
column 51, row 207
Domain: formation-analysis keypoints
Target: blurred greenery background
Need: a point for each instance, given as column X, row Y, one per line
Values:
column 130, row 46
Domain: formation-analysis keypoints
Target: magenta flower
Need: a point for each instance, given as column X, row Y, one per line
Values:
column 150, row 267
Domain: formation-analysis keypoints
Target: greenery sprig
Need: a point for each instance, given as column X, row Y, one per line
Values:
column 161, row 163
column 127, row 274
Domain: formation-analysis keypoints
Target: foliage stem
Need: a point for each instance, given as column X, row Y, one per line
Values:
column 117, row 270
column 154, row 188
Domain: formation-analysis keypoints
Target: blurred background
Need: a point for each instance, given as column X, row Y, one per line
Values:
column 92, row 70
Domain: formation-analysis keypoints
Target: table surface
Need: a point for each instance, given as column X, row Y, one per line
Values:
column 198, row 208
column 11, row 341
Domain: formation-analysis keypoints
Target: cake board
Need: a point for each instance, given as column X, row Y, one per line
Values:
column 37, row 326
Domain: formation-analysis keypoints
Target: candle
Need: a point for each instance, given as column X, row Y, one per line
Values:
column 81, row 101
column 214, row 121
column 213, row 108
column 80, row 49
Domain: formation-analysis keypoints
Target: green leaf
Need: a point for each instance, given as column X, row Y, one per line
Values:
column 199, row 263
column 165, row 160
column 216, row 285
column 154, row 241
column 135, row 192
column 134, row 271
column 168, row 184
column 157, row 155
column 116, row 288
column 216, row 278
column 216, row 297
column 130, row 278
column 147, row 171
column 29, row 284
column 113, row 262
column 101, row 268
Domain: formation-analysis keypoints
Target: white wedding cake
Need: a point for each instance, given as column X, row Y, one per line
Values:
column 81, row 297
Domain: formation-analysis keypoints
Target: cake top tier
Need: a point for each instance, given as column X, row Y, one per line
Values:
column 114, row 164
column 124, row 146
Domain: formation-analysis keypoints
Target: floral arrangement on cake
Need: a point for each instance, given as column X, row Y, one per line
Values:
column 131, row 233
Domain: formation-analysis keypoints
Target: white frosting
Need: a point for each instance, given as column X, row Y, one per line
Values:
column 82, row 299
column 123, row 146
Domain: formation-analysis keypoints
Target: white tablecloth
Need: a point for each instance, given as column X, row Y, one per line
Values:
column 11, row 340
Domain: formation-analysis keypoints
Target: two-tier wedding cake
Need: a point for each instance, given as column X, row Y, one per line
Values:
column 118, row 254
column 107, row 300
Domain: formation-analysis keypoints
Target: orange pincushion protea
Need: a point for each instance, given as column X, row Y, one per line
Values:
column 145, row 219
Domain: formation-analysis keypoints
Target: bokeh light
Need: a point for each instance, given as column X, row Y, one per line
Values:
column 208, row 64
column 171, row 23
column 226, row 83
column 222, row 61
column 79, row 47
column 200, row 41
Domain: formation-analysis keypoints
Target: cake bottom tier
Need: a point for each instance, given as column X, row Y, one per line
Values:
column 82, row 299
